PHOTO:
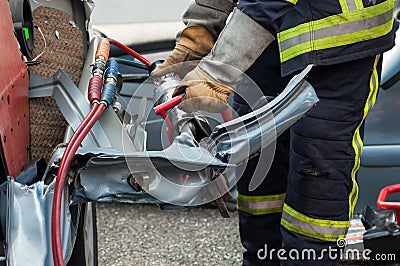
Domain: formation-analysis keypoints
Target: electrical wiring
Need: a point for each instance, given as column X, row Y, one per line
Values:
column 44, row 44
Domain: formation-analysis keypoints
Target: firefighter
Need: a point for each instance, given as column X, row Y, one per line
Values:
column 308, row 198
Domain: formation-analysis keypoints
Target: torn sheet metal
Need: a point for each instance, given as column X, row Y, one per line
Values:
column 182, row 174
column 26, row 220
column 107, row 179
column 104, row 175
column 238, row 139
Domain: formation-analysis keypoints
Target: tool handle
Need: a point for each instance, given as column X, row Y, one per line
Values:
column 382, row 203
column 164, row 107
column 387, row 205
column 226, row 115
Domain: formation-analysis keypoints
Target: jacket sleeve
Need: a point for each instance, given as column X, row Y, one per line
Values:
column 268, row 13
column 211, row 14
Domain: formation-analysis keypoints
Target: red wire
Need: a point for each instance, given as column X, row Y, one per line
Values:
column 131, row 52
column 66, row 160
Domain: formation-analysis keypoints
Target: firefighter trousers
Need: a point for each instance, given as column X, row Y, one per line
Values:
column 302, row 210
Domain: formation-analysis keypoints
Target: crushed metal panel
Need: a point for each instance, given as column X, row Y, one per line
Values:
column 26, row 223
column 106, row 179
column 104, row 173
column 246, row 135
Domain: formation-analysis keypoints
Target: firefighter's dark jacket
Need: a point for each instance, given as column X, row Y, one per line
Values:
column 325, row 32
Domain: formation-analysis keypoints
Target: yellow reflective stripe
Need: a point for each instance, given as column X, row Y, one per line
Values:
column 296, row 229
column 337, row 30
column 259, row 211
column 259, row 205
column 359, row 4
column 328, row 230
column 343, row 5
column 310, row 220
column 261, row 198
column 292, row 1
column 334, row 20
column 357, row 142
column 335, row 41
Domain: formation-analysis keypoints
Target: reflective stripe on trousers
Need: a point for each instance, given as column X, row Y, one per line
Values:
column 301, row 223
column 259, row 205
column 316, row 228
column 357, row 142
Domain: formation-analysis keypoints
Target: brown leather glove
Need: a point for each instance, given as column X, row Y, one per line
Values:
column 194, row 43
column 202, row 92
column 213, row 78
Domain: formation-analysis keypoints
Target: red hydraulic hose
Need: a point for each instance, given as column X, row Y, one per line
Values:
column 162, row 109
column 94, row 96
column 226, row 115
column 131, row 52
column 66, row 160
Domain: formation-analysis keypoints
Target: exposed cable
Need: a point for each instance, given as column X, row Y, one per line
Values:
column 45, row 44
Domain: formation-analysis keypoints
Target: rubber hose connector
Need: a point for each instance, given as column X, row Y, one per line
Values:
column 108, row 93
column 103, row 49
column 94, row 90
column 111, row 68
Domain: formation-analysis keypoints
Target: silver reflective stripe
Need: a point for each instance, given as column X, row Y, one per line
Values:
column 351, row 5
column 312, row 228
column 337, row 30
column 268, row 204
